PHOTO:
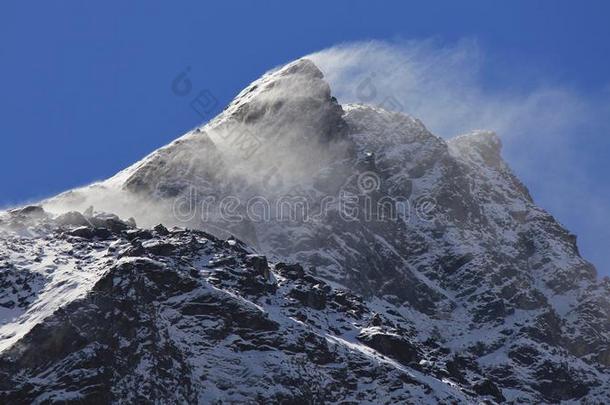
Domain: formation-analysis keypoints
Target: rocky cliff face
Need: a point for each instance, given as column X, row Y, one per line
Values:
column 399, row 267
column 178, row 315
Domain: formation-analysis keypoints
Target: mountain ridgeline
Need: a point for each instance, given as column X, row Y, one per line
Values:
column 309, row 252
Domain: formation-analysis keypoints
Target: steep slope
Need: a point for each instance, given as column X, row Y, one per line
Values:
column 178, row 315
column 438, row 236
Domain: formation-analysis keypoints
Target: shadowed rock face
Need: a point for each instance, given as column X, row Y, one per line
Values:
column 211, row 322
column 473, row 281
column 285, row 121
column 205, row 319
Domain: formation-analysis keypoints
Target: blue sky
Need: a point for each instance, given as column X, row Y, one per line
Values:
column 86, row 88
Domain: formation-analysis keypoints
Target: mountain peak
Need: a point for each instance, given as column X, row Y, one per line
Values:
column 285, row 121
column 286, row 114
column 480, row 138
column 430, row 253
column 297, row 80
column 478, row 145
column 301, row 66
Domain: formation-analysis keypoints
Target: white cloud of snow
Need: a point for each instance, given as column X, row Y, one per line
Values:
column 543, row 126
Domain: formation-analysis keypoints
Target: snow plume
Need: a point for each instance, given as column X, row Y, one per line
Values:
column 443, row 86
column 544, row 126
column 285, row 122
column 104, row 198
column 274, row 136
column 282, row 128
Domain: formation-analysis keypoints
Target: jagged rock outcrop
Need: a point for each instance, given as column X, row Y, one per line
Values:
column 213, row 321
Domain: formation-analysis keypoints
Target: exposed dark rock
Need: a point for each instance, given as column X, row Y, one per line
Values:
column 486, row 387
column 90, row 233
column 290, row 271
column 259, row 264
column 141, row 234
column 159, row 248
column 524, row 355
column 313, row 297
column 74, row 218
column 161, row 230
column 557, row 382
column 33, row 211
column 392, row 345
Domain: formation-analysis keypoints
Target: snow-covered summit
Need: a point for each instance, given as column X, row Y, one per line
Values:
column 479, row 145
column 438, row 236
